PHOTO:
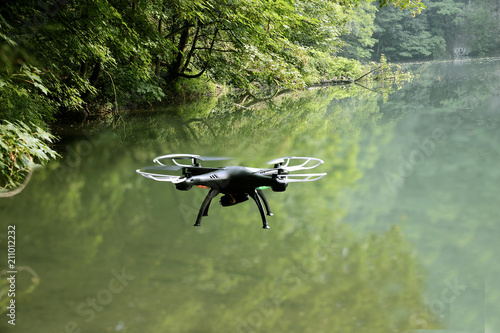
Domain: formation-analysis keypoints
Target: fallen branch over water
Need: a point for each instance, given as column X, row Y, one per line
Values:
column 19, row 189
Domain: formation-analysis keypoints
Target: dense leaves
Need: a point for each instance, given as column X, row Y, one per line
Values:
column 21, row 149
column 67, row 58
column 445, row 29
column 92, row 54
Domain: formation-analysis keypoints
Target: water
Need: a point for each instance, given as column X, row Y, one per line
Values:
column 401, row 235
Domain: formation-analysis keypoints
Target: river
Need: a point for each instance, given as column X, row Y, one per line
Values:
column 401, row 235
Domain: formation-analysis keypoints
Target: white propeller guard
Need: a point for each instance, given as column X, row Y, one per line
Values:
column 302, row 166
column 304, row 177
column 160, row 177
column 173, row 157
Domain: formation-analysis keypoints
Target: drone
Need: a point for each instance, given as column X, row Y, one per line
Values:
column 236, row 183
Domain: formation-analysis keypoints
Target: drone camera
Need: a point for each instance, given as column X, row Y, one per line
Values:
column 184, row 186
column 279, row 187
column 232, row 199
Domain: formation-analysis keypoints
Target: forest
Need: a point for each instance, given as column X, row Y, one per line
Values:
column 443, row 30
column 64, row 59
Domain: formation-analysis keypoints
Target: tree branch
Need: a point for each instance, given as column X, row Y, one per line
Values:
column 188, row 76
column 179, row 30
column 215, row 50
column 193, row 47
column 362, row 76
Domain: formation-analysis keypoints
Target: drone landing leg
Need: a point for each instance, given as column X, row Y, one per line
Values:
column 204, row 206
column 205, row 213
column 264, row 200
column 256, row 198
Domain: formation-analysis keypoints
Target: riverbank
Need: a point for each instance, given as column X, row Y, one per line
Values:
column 33, row 114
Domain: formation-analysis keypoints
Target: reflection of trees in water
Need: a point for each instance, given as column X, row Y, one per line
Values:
column 447, row 206
column 266, row 121
column 309, row 273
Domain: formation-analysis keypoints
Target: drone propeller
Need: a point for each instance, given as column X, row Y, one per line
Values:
column 213, row 158
column 156, row 172
column 283, row 168
column 193, row 158
column 163, row 168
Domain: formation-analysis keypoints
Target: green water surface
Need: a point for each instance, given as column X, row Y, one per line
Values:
column 400, row 236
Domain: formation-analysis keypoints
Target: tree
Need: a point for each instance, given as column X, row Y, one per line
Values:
column 443, row 18
column 445, row 29
column 359, row 39
column 95, row 54
column 400, row 38
column 480, row 26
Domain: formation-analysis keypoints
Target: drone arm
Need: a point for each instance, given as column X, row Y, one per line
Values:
column 204, row 206
column 256, row 198
column 266, row 203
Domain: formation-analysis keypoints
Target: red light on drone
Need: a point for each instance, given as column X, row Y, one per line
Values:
column 202, row 186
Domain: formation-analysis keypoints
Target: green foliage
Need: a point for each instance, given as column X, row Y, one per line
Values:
column 480, row 24
column 20, row 102
column 150, row 91
column 358, row 38
column 439, row 31
column 347, row 67
column 190, row 89
column 21, row 149
column 23, row 91
column 83, row 55
column 400, row 38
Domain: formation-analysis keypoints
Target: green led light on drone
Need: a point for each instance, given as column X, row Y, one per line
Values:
column 262, row 187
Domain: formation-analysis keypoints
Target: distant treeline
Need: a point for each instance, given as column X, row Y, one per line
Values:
column 443, row 30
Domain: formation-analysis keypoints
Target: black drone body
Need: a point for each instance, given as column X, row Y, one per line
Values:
column 236, row 183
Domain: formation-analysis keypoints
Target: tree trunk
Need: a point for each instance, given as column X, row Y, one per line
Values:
column 178, row 64
column 96, row 71
column 158, row 59
column 157, row 66
column 84, row 66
